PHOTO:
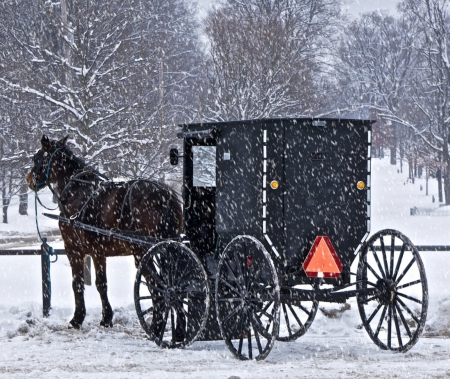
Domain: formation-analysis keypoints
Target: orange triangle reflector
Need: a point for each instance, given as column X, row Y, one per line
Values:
column 322, row 260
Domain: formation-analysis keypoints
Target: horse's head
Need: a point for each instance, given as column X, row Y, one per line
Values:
column 49, row 163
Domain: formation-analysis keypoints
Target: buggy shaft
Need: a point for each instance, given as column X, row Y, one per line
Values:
column 106, row 233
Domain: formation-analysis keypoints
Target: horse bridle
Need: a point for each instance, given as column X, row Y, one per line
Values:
column 38, row 161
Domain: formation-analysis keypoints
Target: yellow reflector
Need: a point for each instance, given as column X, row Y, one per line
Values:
column 361, row 185
column 274, row 184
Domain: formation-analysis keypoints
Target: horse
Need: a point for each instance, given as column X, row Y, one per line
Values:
column 141, row 207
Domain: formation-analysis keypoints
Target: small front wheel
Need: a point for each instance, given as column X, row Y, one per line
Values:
column 247, row 299
column 394, row 308
column 171, row 295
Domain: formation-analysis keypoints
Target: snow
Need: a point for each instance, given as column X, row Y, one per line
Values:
column 33, row 346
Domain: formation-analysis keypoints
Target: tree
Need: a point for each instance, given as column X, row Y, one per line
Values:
column 107, row 73
column 432, row 95
column 376, row 69
column 264, row 56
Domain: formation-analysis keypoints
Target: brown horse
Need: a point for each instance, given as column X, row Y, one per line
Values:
column 143, row 207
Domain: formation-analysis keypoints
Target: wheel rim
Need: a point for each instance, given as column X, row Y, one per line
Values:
column 171, row 295
column 247, row 299
column 395, row 317
column 296, row 316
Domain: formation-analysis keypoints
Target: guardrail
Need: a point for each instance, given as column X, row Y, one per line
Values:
column 46, row 279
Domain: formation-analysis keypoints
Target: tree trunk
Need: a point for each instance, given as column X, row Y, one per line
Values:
column 439, row 180
column 446, row 176
column 394, row 145
column 5, row 206
column 23, row 202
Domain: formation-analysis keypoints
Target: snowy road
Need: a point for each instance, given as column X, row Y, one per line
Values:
column 49, row 350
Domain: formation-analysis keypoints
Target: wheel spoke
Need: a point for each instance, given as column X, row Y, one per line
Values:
column 230, row 287
column 155, row 276
column 240, row 316
column 233, row 312
column 249, row 338
column 405, row 307
column 148, row 310
column 406, row 270
column 270, row 317
column 409, row 298
column 230, row 300
column 238, row 267
column 383, row 251
column 234, row 275
column 409, row 284
column 397, row 327
column 186, row 275
column 389, row 334
column 172, row 321
column 258, row 342
column 402, row 318
column 175, row 268
column 373, row 314
column 183, row 274
column 391, row 267
column 286, row 318
column 152, row 286
column 380, row 322
column 400, row 258
column 241, row 337
column 372, row 270
column 151, row 297
column 163, row 326
column 378, row 261
column 187, row 315
column 296, row 317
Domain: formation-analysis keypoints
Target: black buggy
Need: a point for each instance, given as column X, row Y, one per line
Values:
column 276, row 220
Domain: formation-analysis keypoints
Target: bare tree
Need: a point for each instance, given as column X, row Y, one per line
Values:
column 264, row 56
column 433, row 84
column 376, row 67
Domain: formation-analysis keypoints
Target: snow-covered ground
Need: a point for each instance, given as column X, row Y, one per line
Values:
column 32, row 346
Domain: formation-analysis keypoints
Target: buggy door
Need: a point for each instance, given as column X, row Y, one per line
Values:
column 323, row 163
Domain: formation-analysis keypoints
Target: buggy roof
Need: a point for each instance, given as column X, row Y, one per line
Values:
column 205, row 129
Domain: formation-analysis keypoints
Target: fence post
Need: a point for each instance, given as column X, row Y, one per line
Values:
column 46, row 281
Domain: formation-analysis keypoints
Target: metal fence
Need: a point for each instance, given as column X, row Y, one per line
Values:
column 46, row 279
column 45, row 270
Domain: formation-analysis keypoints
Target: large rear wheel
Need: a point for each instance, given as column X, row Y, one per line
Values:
column 395, row 316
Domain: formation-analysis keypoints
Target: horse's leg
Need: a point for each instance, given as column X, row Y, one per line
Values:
column 102, row 288
column 76, row 260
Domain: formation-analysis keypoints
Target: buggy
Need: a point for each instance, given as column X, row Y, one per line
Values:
column 276, row 220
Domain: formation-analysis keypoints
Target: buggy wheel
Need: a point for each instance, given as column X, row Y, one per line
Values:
column 171, row 295
column 295, row 316
column 395, row 315
column 247, row 299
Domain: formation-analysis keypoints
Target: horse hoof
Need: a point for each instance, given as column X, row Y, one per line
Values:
column 106, row 324
column 73, row 325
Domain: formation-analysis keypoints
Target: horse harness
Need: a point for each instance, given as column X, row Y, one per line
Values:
column 100, row 183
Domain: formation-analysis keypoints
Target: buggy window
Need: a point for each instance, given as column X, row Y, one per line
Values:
column 204, row 158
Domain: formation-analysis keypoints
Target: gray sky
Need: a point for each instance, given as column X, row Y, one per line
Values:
column 354, row 7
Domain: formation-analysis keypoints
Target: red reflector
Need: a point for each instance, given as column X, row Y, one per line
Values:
column 249, row 261
column 322, row 260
